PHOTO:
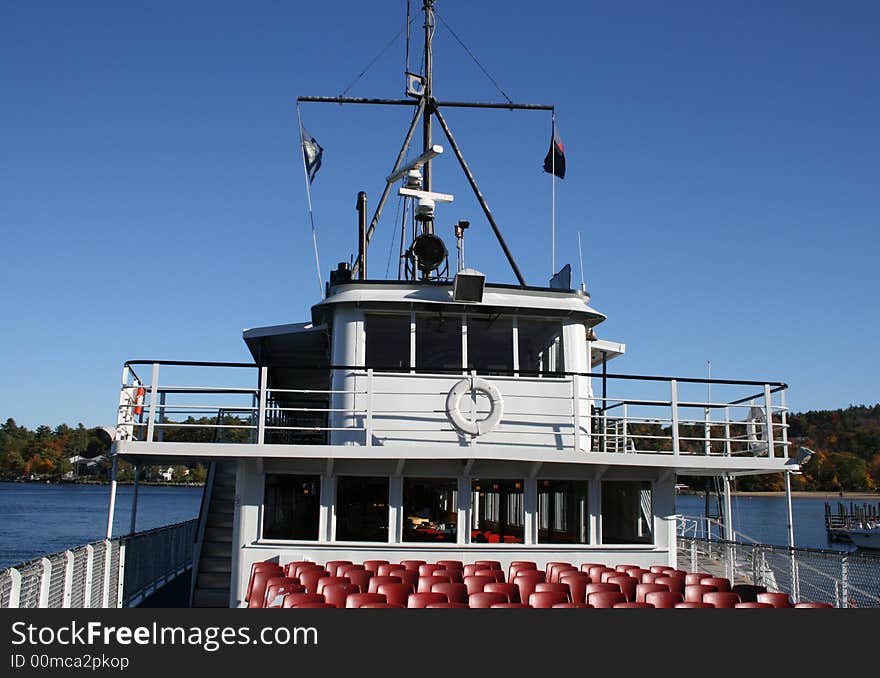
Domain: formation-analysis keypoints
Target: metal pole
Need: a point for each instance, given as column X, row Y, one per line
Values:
column 134, row 499
column 728, row 513
column 479, row 196
column 111, row 511
column 362, row 234
column 429, row 74
column 790, row 512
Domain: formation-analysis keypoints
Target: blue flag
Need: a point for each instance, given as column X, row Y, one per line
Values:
column 312, row 152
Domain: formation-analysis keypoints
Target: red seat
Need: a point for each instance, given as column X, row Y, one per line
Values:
column 681, row 574
column 290, row 568
column 608, row 574
column 488, row 564
column 336, row 594
column 672, row 583
column 651, row 577
column 633, row 606
column 546, row 599
column 471, row 569
column 446, row 605
column 278, row 587
column 410, row 577
column 597, row 571
column 526, row 585
column 360, row 578
column 644, row 589
column 347, row 570
column 274, row 569
column 637, row 572
column 510, row 605
column 663, row 599
column 598, row 588
column 428, row 569
column 304, row 567
column 815, row 606
column 310, row 578
column 425, row 583
column 328, row 581
column 695, row 577
column 748, row 592
column 356, row 600
column 395, row 594
column 497, row 575
column 722, row 599
column 627, row 586
column 657, row 569
column 779, row 600
column 477, row 584
column 260, row 582
column 373, row 565
column 484, row 600
column 577, row 585
column 694, row 605
column 294, row 599
column 586, row 567
column 455, row 593
column 606, row 599
column 623, row 568
column 552, row 569
column 543, row 586
column 451, row 564
column 508, row 589
column 454, row 575
column 425, row 598
column 332, row 565
column 694, row 593
column 412, row 564
column 754, row 606
column 518, row 566
column 376, row 582
column 386, row 569
column 720, row 583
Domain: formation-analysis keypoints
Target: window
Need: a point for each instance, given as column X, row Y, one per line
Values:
column 361, row 509
column 438, row 342
column 291, row 506
column 627, row 512
column 429, row 509
column 498, row 511
column 387, row 339
column 490, row 345
column 563, row 515
column 540, row 346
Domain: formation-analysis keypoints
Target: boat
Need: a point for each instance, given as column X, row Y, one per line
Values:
column 436, row 423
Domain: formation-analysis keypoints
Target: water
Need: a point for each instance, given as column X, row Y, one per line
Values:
column 765, row 519
column 38, row 519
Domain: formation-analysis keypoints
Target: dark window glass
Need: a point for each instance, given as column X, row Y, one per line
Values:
column 540, row 346
column 498, row 511
column 563, row 515
column 627, row 512
column 438, row 343
column 429, row 509
column 291, row 506
column 490, row 345
column 387, row 338
column 361, row 509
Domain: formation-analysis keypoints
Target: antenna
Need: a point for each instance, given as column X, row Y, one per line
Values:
column 581, row 258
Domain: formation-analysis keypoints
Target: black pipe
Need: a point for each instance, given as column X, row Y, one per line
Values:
column 362, row 234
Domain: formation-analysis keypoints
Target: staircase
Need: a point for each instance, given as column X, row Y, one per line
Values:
column 211, row 581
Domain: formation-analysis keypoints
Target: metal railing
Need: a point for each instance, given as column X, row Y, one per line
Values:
column 366, row 406
column 843, row 579
column 111, row 573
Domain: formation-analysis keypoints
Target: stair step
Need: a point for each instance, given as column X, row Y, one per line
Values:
column 220, row 521
column 220, row 534
column 213, row 580
column 211, row 598
column 216, row 564
column 224, row 495
column 217, row 549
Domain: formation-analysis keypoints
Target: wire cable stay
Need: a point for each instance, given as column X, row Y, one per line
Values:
column 376, row 58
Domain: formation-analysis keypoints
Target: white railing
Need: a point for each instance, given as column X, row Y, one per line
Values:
column 367, row 407
column 111, row 573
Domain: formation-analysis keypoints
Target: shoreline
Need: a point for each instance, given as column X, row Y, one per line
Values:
column 150, row 483
column 814, row 494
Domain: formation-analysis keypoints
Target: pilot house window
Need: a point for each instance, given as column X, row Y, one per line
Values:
column 291, row 505
column 387, row 339
column 438, row 343
column 540, row 346
column 490, row 344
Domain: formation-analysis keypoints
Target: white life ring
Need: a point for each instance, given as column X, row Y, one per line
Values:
column 756, row 429
column 453, row 406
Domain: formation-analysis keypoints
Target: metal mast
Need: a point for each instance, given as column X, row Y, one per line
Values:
column 429, row 93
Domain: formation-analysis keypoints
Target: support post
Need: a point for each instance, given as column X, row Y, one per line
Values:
column 261, row 422
column 728, row 513
column 15, row 588
column 90, row 567
column 788, row 505
column 45, row 581
column 154, row 386
column 120, row 580
column 673, row 387
column 114, row 469
column 768, row 409
column 68, row 579
column 134, row 499
column 368, row 428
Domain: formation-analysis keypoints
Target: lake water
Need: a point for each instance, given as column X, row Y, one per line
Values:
column 37, row 519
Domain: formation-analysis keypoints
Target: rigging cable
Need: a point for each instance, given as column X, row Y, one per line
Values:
column 476, row 61
column 393, row 239
column 375, row 59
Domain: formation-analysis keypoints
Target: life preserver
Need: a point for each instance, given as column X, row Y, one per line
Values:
column 139, row 400
column 756, row 429
column 453, row 406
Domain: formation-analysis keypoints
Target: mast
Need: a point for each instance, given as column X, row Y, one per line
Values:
column 428, row 91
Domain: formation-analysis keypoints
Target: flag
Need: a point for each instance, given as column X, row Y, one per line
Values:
column 312, row 153
column 554, row 163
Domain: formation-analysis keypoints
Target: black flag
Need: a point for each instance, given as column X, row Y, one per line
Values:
column 554, row 163
column 312, row 152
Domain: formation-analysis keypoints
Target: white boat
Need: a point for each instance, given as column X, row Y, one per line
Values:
column 864, row 536
column 438, row 416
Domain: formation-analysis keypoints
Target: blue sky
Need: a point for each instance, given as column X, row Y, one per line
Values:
column 722, row 171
